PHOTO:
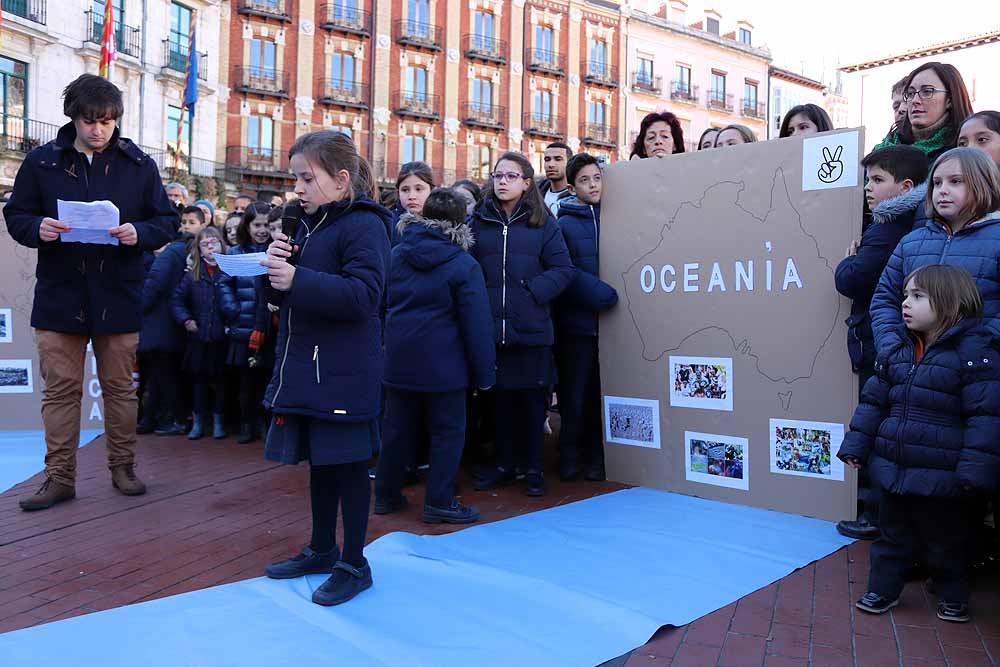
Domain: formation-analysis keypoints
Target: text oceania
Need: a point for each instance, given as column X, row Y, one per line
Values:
column 743, row 277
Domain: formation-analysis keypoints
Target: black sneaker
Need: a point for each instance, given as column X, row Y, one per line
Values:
column 534, row 484
column 454, row 513
column 307, row 562
column 955, row 612
column 172, row 428
column 345, row 582
column 144, row 427
column 390, row 505
column 595, row 473
column 569, row 472
column 874, row 603
column 859, row 530
column 494, row 480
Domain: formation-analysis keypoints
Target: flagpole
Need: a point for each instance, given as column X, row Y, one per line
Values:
column 184, row 107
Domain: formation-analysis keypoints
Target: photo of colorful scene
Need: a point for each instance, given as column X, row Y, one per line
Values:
column 701, row 381
column 802, row 450
column 632, row 422
column 720, row 459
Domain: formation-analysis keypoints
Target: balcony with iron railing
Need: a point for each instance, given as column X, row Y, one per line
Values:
column 170, row 166
column 33, row 10
column 175, row 60
column 597, row 134
column 335, row 16
column 548, row 62
column 337, row 92
column 270, row 9
column 485, row 114
column 257, row 161
column 543, row 125
column 261, row 81
column 601, row 73
column 485, row 48
column 423, row 35
column 753, row 109
column 128, row 40
column 417, row 104
column 23, row 135
column 683, row 91
column 720, row 101
column 647, row 83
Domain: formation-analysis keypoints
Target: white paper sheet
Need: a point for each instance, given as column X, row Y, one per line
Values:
column 242, row 265
column 89, row 222
column 830, row 161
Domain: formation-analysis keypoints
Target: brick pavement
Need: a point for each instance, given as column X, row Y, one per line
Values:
column 217, row 513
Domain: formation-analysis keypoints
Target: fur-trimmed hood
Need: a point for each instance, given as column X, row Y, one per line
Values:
column 894, row 207
column 426, row 243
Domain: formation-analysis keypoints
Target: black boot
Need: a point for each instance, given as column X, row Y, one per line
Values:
column 246, row 433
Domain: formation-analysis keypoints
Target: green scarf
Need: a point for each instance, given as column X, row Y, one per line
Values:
column 933, row 143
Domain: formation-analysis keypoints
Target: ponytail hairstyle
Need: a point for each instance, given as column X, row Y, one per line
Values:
column 243, row 231
column 958, row 95
column 334, row 151
column 419, row 169
column 952, row 293
column 532, row 197
column 196, row 256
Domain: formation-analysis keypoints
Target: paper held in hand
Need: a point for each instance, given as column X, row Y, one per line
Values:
column 247, row 264
column 88, row 222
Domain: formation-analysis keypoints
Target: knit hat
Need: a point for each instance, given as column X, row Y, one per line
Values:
column 211, row 208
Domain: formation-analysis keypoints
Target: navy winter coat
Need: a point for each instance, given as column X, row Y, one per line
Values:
column 438, row 331
column 329, row 345
column 526, row 268
column 587, row 295
column 975, row 247
column 208, row 301
column 857, row 276
column 159, row 329
column 85, row 288
column 251, row 300
column 930, row 427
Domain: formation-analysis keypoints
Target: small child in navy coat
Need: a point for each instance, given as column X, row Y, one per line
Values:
column 438, row 339
column 928, row 429
column 576, row 314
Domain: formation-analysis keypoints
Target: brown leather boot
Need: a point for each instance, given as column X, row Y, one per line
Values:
column 123, row 478
column 49, row 494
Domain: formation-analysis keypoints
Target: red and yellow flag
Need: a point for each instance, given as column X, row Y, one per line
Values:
column 108, row 50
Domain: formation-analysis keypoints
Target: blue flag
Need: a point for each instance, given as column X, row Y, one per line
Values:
column 191, row 85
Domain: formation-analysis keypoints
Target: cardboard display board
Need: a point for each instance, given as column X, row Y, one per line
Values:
column 20, row 378
column 724, row 366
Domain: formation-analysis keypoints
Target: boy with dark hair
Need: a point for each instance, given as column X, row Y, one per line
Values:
column 576, row 317
column 554, row 186
column 438, row 337
column 894, row 191
column 192, row 220
column 88, row 292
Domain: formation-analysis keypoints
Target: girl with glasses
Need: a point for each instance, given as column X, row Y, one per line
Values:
column 526, row 265
column 203, row 304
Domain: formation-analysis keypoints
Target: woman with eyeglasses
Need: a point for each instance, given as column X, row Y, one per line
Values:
column 526, row 266
column 204, row 304
column 937, row 102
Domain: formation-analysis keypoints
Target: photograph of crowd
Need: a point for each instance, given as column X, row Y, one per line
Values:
column 701, row 382
column 806, row 448
column 5, row 328
column 15, row 376
column 716, row 459
column 632, row 421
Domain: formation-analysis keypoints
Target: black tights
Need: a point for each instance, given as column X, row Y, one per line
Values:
column 346, row 485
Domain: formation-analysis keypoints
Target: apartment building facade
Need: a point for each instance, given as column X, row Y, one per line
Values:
column 704, row 68
column 451, row 82
column 45, row 44
column 790, row 89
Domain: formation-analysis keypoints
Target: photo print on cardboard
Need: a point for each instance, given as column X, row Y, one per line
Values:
column 720, row 460
column 632, row 421
column 6, row 326
column 15, row 376
column 806, row 449
column 701, row 382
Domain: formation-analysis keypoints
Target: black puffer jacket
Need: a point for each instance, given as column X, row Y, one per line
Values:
column 931, row 426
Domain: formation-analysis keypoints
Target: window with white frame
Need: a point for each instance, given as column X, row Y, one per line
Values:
column 414, row 148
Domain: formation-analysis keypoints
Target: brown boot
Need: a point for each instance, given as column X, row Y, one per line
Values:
column 52, row 492
column 123, row 478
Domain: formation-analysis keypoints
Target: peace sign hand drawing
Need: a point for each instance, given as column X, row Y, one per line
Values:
column 832, row 168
